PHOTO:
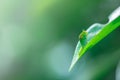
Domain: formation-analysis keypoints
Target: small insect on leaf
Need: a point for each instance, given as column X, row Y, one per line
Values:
column 83, row 38
column 95, row 34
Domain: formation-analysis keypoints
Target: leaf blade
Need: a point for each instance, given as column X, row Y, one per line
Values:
column 96, row 33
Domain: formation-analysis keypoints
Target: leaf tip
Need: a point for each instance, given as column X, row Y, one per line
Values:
column 73, row 63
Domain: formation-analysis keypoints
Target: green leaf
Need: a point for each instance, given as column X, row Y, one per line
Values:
column 94, row 34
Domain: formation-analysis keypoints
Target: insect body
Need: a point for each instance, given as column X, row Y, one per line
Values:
column 83, row 38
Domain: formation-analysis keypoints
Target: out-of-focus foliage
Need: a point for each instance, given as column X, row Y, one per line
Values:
column 37, row 40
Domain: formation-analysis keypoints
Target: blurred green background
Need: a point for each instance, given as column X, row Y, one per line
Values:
column 38, row 39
